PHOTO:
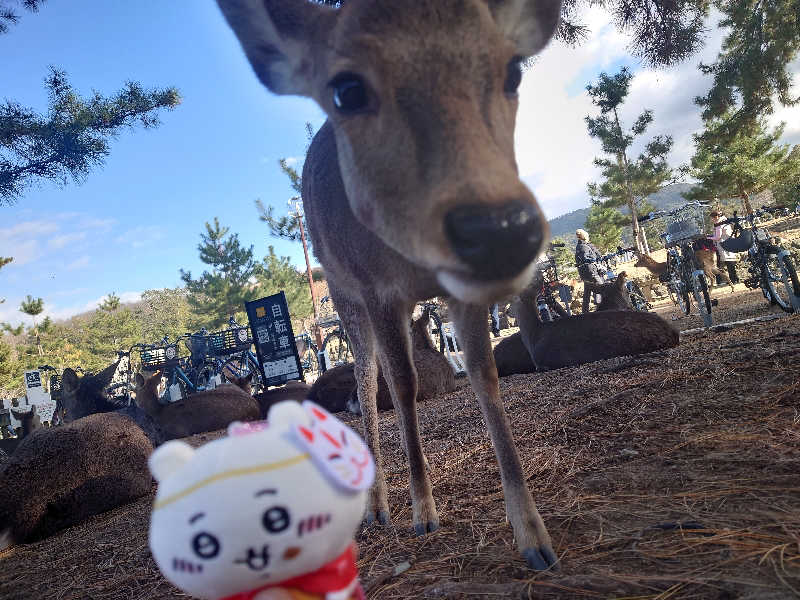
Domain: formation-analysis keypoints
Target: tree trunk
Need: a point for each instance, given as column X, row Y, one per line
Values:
column 641, row 246
column 748, row 209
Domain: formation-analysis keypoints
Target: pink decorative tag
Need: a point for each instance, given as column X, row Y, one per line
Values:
column 337, row 450
column 238, row 428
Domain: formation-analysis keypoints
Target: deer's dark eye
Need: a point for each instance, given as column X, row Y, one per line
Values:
column 205, row 545
column 513, row 76
column 349, row 93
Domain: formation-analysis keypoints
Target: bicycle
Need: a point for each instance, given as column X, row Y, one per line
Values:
column 336, row 345
column 547, row 305
column 638, row 300
column 234, row 359
column 684, row 225
column 771, row 267
column 308, row 352
column 430, row 311
column 177, row 370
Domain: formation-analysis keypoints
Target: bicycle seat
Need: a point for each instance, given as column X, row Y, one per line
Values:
column 741, row 243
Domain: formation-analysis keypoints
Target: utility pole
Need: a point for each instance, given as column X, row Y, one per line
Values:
column 298, row 214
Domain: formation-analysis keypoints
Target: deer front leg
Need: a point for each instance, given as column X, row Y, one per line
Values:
column 530, row 533
column 359, row 331
column 390, row 321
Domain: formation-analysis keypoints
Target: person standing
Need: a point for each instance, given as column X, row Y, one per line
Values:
column 587, row 260
column 722, row 231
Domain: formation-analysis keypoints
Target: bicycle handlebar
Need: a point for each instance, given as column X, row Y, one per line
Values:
column 46, row 368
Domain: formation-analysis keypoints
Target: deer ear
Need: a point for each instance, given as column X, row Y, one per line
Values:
column 528, row 23
column 278, row 37
column 69, row 380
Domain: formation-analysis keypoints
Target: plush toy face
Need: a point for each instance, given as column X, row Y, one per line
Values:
column 268, row 503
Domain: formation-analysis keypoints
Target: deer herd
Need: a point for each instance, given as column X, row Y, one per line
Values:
column 410, row 191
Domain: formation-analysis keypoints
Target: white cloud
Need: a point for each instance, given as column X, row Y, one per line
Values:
column 60, row 241
column 554, row 150
column 79, row 263
column 142, row 236
column 22, row 240
column 9, row 311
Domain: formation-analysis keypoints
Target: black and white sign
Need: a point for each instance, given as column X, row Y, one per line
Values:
column 33, row 379
column 274, row 340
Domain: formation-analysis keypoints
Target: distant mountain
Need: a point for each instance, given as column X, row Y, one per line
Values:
column 666, row 198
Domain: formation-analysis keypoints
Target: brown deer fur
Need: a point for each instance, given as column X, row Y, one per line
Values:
column 204, row 411
column 336, row 388
column 705, row 258
column 82, row 396
column 60, row 476
column 590, row 337
column 291, row 390
column 30, row 420
column 414, row 193
column 511, row 355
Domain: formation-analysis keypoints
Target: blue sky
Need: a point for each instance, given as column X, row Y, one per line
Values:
column 136, row 221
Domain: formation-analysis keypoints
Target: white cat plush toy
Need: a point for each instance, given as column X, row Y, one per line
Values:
column 266, row 513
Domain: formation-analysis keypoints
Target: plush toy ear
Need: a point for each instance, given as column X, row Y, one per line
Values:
column 528, row 23
column 168, row 458
column 278, row 37
column 288, row 412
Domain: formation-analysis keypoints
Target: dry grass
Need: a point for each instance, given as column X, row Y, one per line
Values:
column 673, row 475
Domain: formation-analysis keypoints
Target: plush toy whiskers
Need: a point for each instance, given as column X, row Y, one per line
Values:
column 266, row 513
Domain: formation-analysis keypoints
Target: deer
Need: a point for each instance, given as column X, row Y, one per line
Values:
column 591, row 336
column 705, row 258
column 60, row 476
column 411, row 190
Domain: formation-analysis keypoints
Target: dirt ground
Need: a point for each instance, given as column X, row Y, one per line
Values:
column 671, row 475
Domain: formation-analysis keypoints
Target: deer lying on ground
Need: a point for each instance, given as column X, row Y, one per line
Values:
column 589, row 337
column 30, row 420
column 204, row 411
column 83, row 396
column 706, row 259
column 512, row 356
column 411, row 191
column 336, row 389
column 60, row 476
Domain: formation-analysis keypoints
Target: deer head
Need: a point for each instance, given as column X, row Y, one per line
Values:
column 422, row 98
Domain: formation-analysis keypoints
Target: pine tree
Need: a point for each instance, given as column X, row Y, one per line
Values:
column 74, row 136
column 110, row 303
column 627, row 183
column 752, row 68
column 3, row 262
column 739, row 165
column 277, row 275
column 33, row 307
column 604, row 223
column 221, row 293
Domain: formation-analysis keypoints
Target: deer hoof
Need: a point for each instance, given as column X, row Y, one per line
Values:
column 381, row 517
column 421, row 529
column 541, row 559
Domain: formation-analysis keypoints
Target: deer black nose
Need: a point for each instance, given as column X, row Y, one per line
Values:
column 498, row 242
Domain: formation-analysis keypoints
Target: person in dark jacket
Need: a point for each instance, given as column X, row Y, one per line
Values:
column 587, row 259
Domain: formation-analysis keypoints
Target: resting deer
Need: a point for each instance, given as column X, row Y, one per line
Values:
column 704, row 258
column 411, row 191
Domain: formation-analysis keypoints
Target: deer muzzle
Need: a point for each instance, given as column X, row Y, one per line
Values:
column 495, row 241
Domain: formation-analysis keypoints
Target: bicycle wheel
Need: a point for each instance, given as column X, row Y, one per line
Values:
column 338, row 348
column 234, row 368
column 779, row 276
column 254, row 369
column 680, row 297
column 435, row 331
column 638, row 301
column 703, row 300
column 310, row 362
